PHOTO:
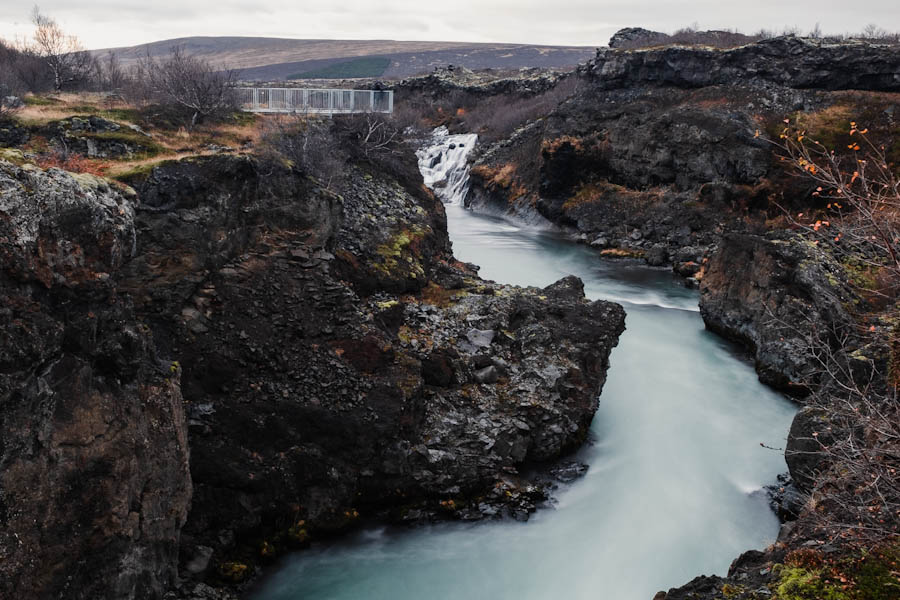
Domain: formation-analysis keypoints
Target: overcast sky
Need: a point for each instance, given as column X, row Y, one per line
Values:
column 106, row 23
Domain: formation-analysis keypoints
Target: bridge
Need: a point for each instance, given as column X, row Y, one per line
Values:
column 315, row 101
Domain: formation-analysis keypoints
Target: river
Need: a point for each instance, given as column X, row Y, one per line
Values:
column 674, row 487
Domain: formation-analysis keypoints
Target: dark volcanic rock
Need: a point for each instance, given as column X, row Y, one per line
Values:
column 12, row 134
column 94, row 484
column 811, row 429
column 97, row 137
column 326, row 356
column 444, row 80
column 634, row 35
column 788, row 61
column 775, row 296
column 666, row 139
column 336, row 362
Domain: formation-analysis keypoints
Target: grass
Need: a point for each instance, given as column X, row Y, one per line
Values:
column 868, row 575
column 40, row 101
column 238, row 131
column 367, row 66
column 830, row 126
column 609, row 195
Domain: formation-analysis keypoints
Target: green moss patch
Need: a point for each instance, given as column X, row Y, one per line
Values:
column 367, row 66
column 867, row 575
column 400, row 256
column 146, row 146
column 139, row 173
column 41, row 101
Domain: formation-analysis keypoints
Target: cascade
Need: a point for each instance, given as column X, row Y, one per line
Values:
column 444, row 166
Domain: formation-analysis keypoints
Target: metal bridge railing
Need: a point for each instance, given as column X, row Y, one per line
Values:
column 315, row 101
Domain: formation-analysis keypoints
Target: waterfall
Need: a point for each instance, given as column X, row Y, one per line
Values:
column 443, row 164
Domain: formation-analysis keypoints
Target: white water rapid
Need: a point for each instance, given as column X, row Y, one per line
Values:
column 443, row 164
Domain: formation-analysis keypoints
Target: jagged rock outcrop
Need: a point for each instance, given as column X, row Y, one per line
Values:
column 785, row 61
column 94, row 482
column 638, row 37
column 443, row 80
column 780, row 296
column 325, row 355
column 337, row 361
column 634, row 169
column 634, row 35
column 96, row 137
column 659, row 151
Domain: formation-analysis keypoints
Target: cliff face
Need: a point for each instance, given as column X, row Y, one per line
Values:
column 94, row 483
column 660, row 154
column 771, row 294
column 785, row 61
column 658, row 151
column 337, row 362
column 325, row 355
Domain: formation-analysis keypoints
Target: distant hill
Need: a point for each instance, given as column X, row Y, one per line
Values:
column 257, row 58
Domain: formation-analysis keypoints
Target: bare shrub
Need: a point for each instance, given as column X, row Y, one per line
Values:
column 30, row 70
column 372, row 133
column 11, row 87
column 862, row 191
column 322, row 148
column 857, row 497
column 70, row 65
column 112, row 77
column 377, row 139
column 307, row 145
column 189, row 85
column 496, row 117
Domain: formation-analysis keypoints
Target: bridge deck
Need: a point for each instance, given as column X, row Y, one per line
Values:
column 315, row 101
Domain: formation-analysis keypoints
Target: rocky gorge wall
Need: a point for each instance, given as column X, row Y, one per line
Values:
column 94, row 482
column 660, row 150
column 788, row 61
column 662, row 155
column 311, row 358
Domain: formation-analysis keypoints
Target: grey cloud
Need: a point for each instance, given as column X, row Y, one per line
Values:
column 104, row 23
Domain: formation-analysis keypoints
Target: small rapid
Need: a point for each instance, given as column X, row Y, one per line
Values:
column 675, row 484
column 443, row 164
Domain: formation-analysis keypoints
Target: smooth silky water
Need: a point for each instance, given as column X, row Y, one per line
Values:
column 674, row 488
